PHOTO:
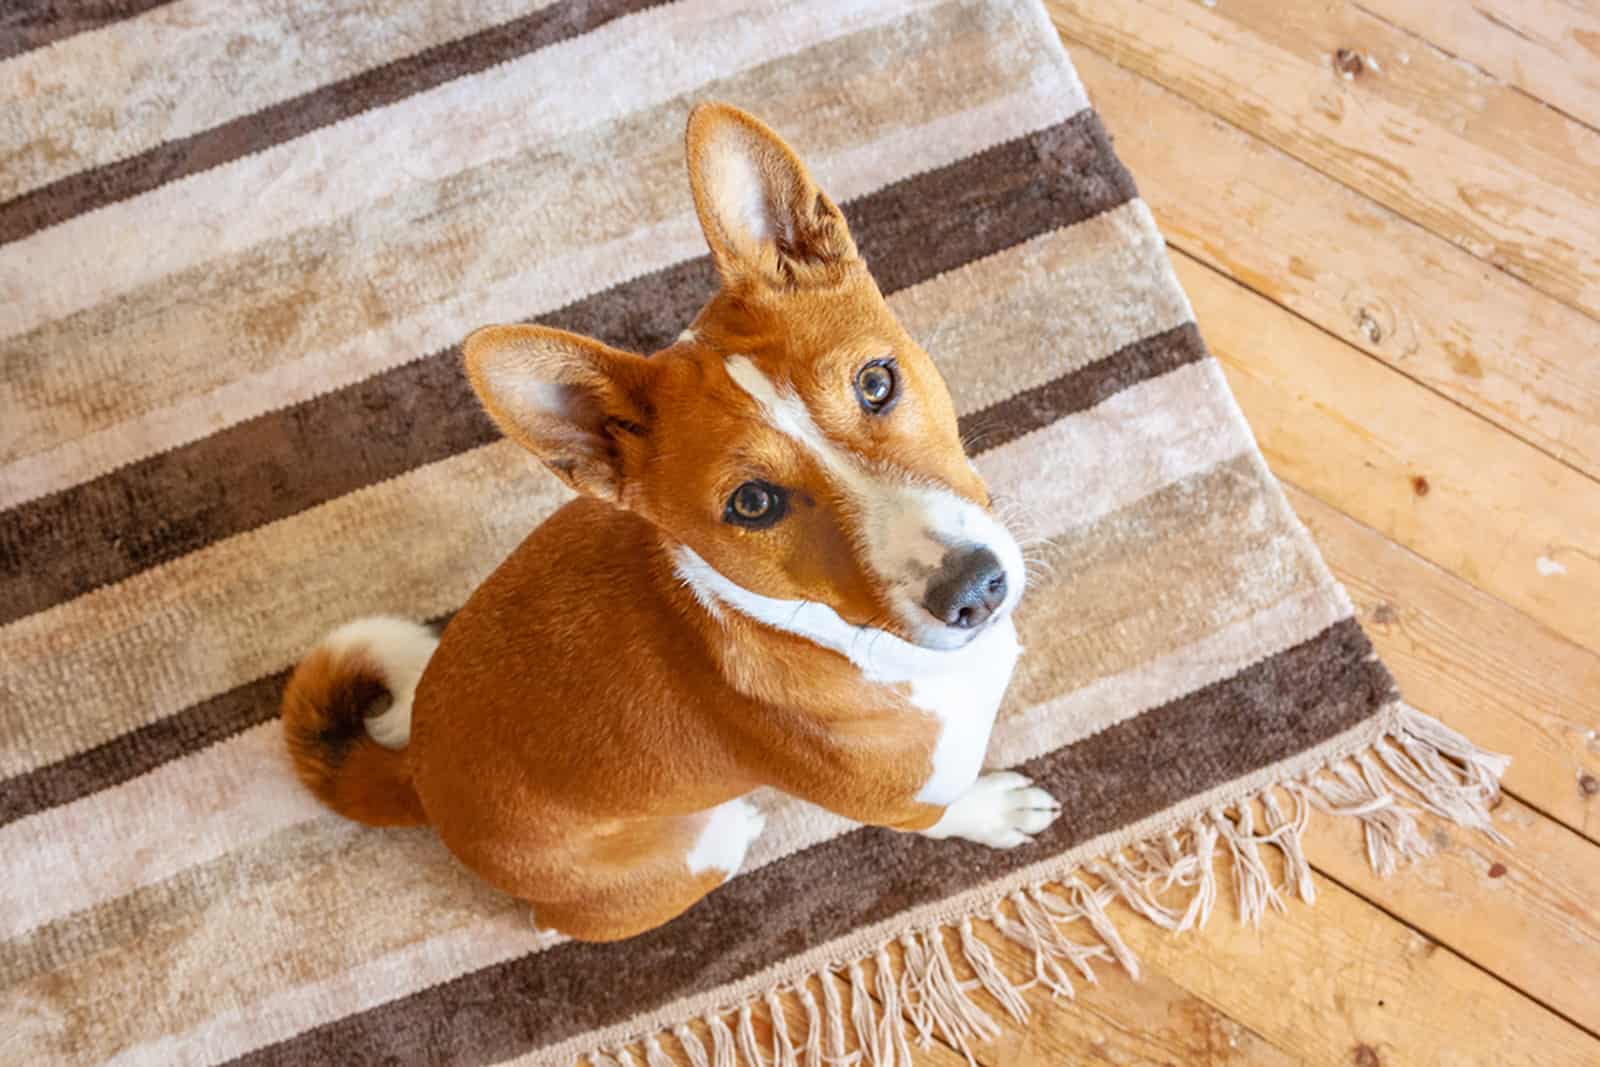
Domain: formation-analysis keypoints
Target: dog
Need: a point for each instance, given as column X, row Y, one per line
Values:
column 781, row 569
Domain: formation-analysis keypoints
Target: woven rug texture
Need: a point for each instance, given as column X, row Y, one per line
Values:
column 239, row 244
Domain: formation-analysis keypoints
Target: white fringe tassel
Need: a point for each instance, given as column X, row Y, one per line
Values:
column 692, row 1046
column 1421, row 766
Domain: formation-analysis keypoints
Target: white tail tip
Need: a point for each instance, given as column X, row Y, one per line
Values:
column 401, row 649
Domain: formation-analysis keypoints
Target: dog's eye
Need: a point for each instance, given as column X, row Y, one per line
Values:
column 877, row 384
column 756, row 504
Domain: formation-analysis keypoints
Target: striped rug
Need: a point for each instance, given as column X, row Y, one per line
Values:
column 239, row 240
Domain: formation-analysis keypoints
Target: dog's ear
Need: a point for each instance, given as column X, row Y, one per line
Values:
column 578, row 405
column 763, row 216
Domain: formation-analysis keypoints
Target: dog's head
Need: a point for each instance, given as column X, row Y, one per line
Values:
column 796, row 446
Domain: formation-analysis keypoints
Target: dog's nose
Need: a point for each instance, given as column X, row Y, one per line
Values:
column 967, row 588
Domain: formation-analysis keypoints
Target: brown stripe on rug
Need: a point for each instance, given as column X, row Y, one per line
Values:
column 239, row 478
column 226, row 714
column 1294, row 700
column 170, row 161
column 29, row 24
column 1004, row 422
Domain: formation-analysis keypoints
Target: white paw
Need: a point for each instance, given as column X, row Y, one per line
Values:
column 725, row 837
column 1001, row 810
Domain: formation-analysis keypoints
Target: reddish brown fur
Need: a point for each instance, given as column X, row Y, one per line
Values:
column 324, row 707
column 583, row 710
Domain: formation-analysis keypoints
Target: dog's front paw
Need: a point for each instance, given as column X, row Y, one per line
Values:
column 1001, row 810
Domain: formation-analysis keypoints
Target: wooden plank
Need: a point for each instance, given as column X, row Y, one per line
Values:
column 1344, row 983
column 1491, row 672
column 1114, row 1020
column 1408, row 297
column 1118, row 1020
column 1500, row 208
column 1401, row 69
column 1422, row 471
column 1484, row 667
column 1525, row 912
column 1547, row 48
column 1221, row 180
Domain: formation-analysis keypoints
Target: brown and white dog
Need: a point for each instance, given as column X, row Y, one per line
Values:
column 781, row 570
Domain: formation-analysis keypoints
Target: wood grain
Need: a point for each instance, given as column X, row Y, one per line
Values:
column 1121, row 1021
column 1405, row 461
column 1429, row 309
column 1550, row 49
column 1115, row 1019
column 1524, row 911
column 1400, row 69
column 1500, row 208
column 1316, row 984
column 1485, row 668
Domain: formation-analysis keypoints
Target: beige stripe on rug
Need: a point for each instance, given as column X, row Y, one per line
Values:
column 236, row 253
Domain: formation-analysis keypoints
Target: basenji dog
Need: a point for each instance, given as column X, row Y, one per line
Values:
column 781, row 570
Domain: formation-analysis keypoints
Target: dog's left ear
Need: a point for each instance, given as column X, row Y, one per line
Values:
column 763, row 216
column 580, row 406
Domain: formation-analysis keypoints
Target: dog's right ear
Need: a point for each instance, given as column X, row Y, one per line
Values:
column 763, row 216
column 580, row 406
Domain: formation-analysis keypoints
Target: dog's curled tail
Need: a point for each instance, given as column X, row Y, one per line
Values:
column 354, row 764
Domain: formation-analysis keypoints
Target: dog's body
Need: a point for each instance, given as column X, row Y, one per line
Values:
column 781, row 572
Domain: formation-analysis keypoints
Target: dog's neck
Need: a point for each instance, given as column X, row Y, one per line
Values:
column 879, row 655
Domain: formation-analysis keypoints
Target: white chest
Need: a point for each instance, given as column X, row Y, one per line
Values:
column 961, row 688
column 965, row 701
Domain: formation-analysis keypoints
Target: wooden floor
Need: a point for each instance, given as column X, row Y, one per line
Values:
column 1387, row 216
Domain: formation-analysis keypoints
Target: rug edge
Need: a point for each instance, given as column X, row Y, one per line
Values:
column 1387, row 772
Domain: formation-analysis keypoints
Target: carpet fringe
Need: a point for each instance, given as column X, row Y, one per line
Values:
column 1420, row 766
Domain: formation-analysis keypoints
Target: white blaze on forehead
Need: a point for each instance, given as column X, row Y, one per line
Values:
column 788, row 414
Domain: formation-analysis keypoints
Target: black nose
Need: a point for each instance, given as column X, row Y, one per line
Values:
column 967, row 588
